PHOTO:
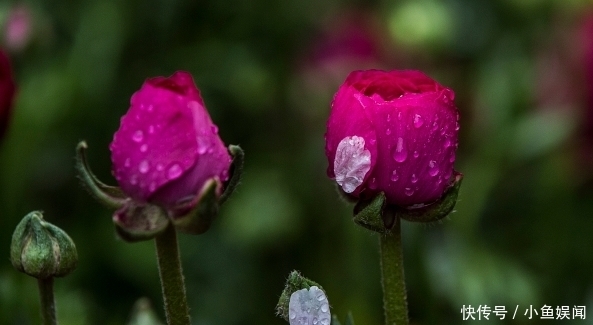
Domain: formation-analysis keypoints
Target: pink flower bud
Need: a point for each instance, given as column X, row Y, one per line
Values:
column 7, row 90
column 393, row 132
column 167, row 146
column 18, row 28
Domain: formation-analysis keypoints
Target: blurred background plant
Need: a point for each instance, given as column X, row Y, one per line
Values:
column 523, row 76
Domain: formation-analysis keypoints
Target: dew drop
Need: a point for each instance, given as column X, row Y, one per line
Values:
column 433, row 168
column 150, row 108
column 321, row 296
column 452, row 158
column 388, row 117
column 414, row 178
column 418, row 121
column 399, row 115
column 447, row 143
column 408, row 191
column 394, row 176
column 174, row 171
column 144, row 167
column 325, row 321
column 324, row 308
column 151, row 129
column 202, row 150
column 143, row 147
column 416, row 154
column 400, row 154
column 127, row 163
column 388, row 132
column 160, row 167
column 456, row 126
column 292, row 314
column 138, row 136
column 214, row 129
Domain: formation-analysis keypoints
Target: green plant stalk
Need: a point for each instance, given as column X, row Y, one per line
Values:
column 48, row 306
column 171, row 274
column 392, row 275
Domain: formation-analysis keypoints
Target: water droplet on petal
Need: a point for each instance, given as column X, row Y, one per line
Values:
column 394, row 176
column 400, row 154
column 138, row 136
column 418, row 121
column 143, row 148
column 174, row 171
column 214, row 129
column 144, row 167
column 452, row 158
column 416, row 154
column 127, row 163
column 202, row 150
column 160, row 167
column 324, row 308
column 433, row 169
column 447, row 143
column 151, row 129
column 150, row 108
column 408, row 191
column 292, row 314
column 414, row 179
column 456, row 126
column 399, row 115
column 388, row 117
column 388, row 132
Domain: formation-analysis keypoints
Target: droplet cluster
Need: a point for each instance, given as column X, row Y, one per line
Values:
column 309, row 307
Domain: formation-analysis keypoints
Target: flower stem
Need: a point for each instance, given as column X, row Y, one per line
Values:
column 174, row 297
column 48, row 306
column 392, row 273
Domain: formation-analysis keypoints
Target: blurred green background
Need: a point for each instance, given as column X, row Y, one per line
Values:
column 522, row 230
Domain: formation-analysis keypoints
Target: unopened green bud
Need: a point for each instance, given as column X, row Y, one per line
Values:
column 41, row 249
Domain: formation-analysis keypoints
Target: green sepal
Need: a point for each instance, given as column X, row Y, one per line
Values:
column 294, row 283
column 236, row 172
column 367, row 213
column 376, row 215
column 144, row 314
column 110, row 196
column 203, row 209
column 42, row 250
column 136, row 222
column 437, row 210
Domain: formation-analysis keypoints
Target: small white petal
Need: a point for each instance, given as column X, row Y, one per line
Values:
column 308, row 307
column 352, row 163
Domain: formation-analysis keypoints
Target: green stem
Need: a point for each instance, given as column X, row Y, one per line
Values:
column 171, row 275
column 392, row 273
column 48, row 306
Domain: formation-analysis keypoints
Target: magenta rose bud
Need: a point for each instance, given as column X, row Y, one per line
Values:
column 167, row 147
column 7, row 90
column 393, row 132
